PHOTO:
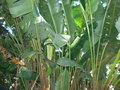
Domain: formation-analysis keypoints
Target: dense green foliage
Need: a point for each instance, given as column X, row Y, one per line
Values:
column 60, row 44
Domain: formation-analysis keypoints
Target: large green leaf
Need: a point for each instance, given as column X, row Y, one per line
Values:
column 63, row 81
column 65, row 62
column 44, row 11
column 69, row 17
column 21, row 7
column 30, row 24
column 54, row 14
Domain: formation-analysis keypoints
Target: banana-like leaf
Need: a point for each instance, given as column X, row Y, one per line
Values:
column 65, row 62
column 30, row 23
column 44, row 11
column 54, row 14
column 21, row 7
column 69, row 17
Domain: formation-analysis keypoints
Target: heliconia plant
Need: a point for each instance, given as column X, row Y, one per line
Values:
column 60, row 44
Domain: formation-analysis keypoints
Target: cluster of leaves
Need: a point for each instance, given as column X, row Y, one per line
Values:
column 61, row 42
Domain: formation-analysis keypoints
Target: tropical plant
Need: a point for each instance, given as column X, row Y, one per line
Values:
column 60, row 44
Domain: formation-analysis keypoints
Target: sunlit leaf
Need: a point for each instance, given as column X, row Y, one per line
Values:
column 21, row 7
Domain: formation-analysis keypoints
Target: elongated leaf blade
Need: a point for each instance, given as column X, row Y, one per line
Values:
column 69, row 17
column 56, row 15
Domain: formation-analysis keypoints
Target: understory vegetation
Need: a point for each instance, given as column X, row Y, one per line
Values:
column 60, row 44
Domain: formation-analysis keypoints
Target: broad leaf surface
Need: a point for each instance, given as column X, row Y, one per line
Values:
column 65, row 62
